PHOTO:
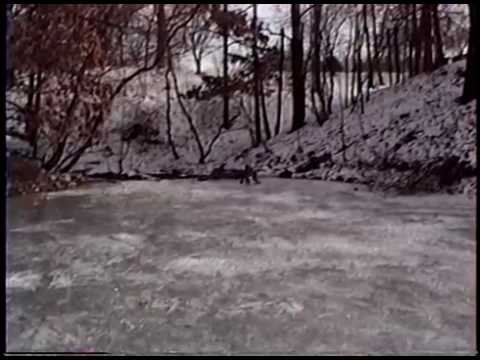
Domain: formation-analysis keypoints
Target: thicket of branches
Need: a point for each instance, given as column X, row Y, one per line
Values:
column 61, row 58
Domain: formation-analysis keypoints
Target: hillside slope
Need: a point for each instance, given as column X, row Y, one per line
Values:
column 412, row 137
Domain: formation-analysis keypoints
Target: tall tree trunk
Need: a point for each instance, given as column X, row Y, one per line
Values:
column 440, row 59
column 389, row 58
column 297, row 69
column 280, row 81
column 161, row 35
column 376, row 46
column 331, row 72
column 168, row 111
column 31, row 120
column 226, row 96
column 354, row 62
column 317, row 86
column 411, row 37
column 396, row 46
column 418, row 40
column 256, row 80
column 471, row 86
column 359, row 63
column 147, row 46
column 369, row 54
column 315, row 37
column 193, row 129
column 346, row 69
column 121, row 52
column 405, row 26
column 266, row 123
column 9, row 64
column 426, row 29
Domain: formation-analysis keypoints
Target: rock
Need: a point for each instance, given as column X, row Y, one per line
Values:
column 285, row 174
column 313, row 163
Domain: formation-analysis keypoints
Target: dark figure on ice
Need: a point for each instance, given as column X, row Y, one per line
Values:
column 249, row 172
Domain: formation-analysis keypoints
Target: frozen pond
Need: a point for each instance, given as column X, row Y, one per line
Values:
column 288, row 266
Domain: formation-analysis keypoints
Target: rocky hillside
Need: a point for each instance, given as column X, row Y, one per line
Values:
column 412, row 137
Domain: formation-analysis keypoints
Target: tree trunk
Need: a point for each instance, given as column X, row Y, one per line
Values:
column 198, row 64
column 161, row 35
column 31, row 119
column 147, row 46
column 332, row 85
column 197, row 59
column 354, row 63
column 396, row 46
column 280, row 81
column 187, row 115
column 256, row 80
column 411, row 37
column 359, row 64
column 226, row 96
column 471, row 89
column 9, row 63
column 440, row 59
column 389, row 58
column 297, row 69
column 426, row 29
column 315, row 69
column 168, row 112
column 376, row 47
column 266, row 124
column 418, row 40
column 346, row 80
column 369, row 54
column 317, row 87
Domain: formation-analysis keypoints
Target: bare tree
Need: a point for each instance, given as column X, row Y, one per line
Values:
column 316, row 88
column 256, row 80
column 427, row 40
column 9, row 64
column 471, row 89
column 226, row 96
column 161, row 35
column 297, row 69
column 439, row 55
column 168, row 109
column 280, row 81
column 396, row 47
column 199, row 37
column 376, row 44
column 369, row 54
column 389, row 57
column 418, row 40
column 411, row 38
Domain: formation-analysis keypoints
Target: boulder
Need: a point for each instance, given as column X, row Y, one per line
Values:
column 285, row 174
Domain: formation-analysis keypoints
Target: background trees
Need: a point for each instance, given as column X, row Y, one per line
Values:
column 69, row 64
